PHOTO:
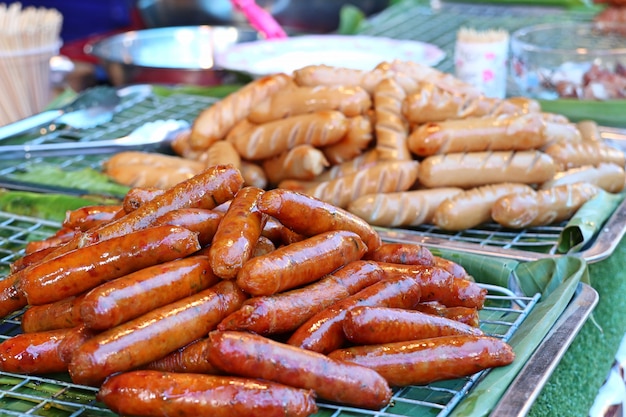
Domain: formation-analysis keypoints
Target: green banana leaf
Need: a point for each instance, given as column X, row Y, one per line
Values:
column 219, row 91
column 43, row 206
column 556, row 279
column 587, row 222
column 85, row 179
column 608, row 113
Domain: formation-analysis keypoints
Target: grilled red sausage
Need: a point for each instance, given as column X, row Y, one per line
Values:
column 33, row 353
column 237, row 233
column 465, row 315
column 138, row 196
column 428, row 360
column 12, row 298
column 72, row 341
column 30, row 259
column 402, row 253
column 132, row 295
column 84, row 218
column 439, row 285
column 202, row 221
column 323, row 332
column 300, row 263
column 452, row 267
column 284, row 312
column 309, row 216
column 279, row 233
column 155, row 334
column 255, row 356
column 62, row 314
column 208, row 189
column 375, row 325
column 192, row 358
column 82, row 269
column 154, row 393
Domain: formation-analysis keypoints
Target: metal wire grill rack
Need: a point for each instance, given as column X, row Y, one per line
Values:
column 176, row 106
column 55, row 395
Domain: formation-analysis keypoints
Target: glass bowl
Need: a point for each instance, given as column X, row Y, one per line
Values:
column 569, row 60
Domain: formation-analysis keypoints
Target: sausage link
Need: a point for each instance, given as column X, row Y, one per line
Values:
column 202, row 221
column 237, row 233
column 402, row 253
column 72, row 341
column 539, row 208
column 30, row 259
column 300, row 263
column 273, row 138
column 323, row 332
column 309, row 216
column 213, row 123
column 33, row 353
column 472, row 207
column 208, row 189
column 85, row 218
column 221, row 152
column 403, row 208
column 465, row 315
column 433, row 104
column 62, row 314
column 439, row 285
column 358, row 138
column 140, row 292
column 12, row 298
column 138, row 196
column 569, row 155
column 383, row 177
column 428, row 360
column 608, row 176
column 154, row 334
column 253, row 175
column 472, row 169
column 192, row 358
column 452, row 267
column 85, row 268
column 302, row 162
column 279, row 233
column 365, row 160
column 284, row 312
column 148, row 393
column 478, row 134
column 391, row 128
column 377, row 325
column 350, row 100
column 255, row 356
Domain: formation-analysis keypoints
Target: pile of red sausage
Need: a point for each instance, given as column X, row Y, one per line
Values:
column 215, row 298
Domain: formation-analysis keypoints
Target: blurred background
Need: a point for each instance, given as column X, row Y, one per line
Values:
column 85, row 22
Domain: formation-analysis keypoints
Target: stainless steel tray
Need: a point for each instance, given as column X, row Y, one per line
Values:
column 523, row 391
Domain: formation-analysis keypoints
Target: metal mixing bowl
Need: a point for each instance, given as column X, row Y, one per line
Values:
column 311, row 16
column 170, row 55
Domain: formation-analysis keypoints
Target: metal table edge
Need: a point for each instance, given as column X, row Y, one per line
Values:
column 526, row 387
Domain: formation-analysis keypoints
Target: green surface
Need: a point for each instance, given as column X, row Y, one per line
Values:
column 573, row 386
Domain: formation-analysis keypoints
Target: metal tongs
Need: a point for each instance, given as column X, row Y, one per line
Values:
column 152, row 135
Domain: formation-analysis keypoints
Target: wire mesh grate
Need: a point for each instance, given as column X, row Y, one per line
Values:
column 56, row 395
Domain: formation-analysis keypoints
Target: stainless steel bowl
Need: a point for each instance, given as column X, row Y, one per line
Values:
column 316, row 16
column 170, row 55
